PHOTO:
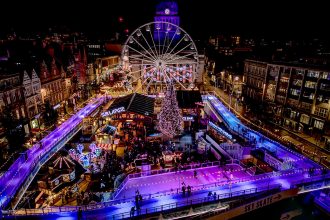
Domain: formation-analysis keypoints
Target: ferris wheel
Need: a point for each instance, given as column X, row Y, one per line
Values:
column 159, row 53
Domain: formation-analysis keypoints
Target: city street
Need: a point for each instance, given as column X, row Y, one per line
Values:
column 311, row 148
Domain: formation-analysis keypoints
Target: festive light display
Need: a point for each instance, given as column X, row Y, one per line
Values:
column 85, row 158
column 80, row 148
column 170, row 118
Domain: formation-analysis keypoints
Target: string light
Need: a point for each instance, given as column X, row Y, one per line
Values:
column 170, row 118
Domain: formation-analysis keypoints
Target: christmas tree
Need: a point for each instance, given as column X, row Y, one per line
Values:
column 170, row 118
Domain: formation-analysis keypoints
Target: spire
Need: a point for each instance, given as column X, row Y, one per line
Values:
column 53, row 68
column 34, row 75
column 26, row 78
column 43, row 70
column 63, row 73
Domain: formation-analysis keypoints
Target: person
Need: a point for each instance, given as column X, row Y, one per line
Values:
column 195, row 173
column 137, row 199
column 79, row 213
column 189, row 190
column 132, row 211
column 139, row 210
column 183, row 190
column 214, row 195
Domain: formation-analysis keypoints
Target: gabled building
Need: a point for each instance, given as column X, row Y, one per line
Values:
column 32, row 93
column 52, row 83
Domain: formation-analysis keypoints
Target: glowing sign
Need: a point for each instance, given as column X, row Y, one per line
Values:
column 188, row 118
column 57, row 106
column 113, row 111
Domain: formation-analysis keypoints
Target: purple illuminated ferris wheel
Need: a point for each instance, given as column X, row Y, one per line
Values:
column 151, row 63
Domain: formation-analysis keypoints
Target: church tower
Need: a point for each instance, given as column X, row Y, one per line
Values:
column 166, row 11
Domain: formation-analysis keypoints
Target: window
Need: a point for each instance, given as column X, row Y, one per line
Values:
column 293, row 114
column 295, row 92
column 325, row 75
column 306, row 106
column 325, row 86
column 300, row 72
column 322, row 112
column 8, row 99
column 17, row 114
column 23, row 113
column 304, row 119
column 318, row 124
column 308, row 95
column 310, row 84
column 313, row 74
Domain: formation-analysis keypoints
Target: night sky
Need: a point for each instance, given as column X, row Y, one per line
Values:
column 199, row 17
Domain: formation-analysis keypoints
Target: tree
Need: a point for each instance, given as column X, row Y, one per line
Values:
column 50, row 115
column 170, row 118
column 15, row 133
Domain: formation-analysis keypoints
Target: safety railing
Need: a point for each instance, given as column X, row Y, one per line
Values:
column 171, row 170
column 155, row 209
column 205, row 187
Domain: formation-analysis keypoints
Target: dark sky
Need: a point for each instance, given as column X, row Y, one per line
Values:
column 199, row 17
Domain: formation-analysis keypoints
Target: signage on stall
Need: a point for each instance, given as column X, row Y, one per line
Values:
column 256, row 204
column 113, row 111
column 188, row 118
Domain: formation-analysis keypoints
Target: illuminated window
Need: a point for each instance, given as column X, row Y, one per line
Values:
column 318, row 124
column 304, row 119
column 313, row 74
column 322, row 112
column 310, row 84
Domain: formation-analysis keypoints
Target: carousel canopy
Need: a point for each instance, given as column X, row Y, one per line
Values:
column 135, row 103
column 188, row 99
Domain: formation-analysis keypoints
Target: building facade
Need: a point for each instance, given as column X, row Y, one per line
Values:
column 297, row 96
column 230, row 82
column 53, row 86
column 166, row 11
column 105, row 68
column 32, row 94
column 11, row 95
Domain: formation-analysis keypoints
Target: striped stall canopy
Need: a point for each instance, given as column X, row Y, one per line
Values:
column 106, row 146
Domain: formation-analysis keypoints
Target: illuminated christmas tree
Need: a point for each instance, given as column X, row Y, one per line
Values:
column 170, row 118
